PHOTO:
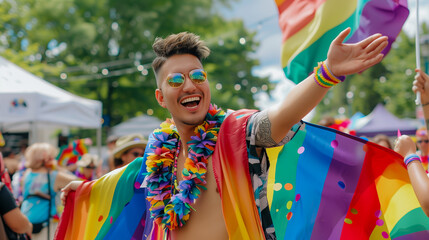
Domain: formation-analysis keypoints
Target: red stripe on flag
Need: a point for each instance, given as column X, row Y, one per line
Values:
column 295, row 15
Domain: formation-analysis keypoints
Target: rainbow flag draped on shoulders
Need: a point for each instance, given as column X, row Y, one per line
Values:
column 325, row 184
column 309, row 26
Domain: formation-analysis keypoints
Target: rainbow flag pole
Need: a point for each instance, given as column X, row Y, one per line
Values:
column 417, row 47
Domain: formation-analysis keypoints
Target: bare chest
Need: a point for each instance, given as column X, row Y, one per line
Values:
column 207, row 221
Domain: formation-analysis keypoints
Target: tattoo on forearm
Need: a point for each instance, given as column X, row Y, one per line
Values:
column 263, row 135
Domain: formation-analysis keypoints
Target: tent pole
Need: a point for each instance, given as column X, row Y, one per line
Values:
column 99, row 141
column 33, row 134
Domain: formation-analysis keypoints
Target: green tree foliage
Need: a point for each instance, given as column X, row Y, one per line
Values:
column 14, row 45
column 103, row 48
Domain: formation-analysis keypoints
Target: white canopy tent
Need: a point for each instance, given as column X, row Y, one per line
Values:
column 29, row 103
column 143, row 124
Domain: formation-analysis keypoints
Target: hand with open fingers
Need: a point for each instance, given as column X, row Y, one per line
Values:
column 404, row 145
column 72, row 186
column 346, row 59
column 421, row 84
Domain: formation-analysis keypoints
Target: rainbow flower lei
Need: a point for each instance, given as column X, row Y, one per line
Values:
column 169, row 209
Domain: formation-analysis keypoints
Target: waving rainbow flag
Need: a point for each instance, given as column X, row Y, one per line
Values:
column 337, row 186
column 309, row 26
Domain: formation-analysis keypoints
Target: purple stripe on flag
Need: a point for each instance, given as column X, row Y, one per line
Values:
column 138, row 234
column 381, row 16
column 341, row 181
column 414, row 236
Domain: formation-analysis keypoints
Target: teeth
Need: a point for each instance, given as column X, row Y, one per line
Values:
column 190, row 100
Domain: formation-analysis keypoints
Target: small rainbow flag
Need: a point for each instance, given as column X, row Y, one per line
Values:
column 71, row 153
column 309, row 26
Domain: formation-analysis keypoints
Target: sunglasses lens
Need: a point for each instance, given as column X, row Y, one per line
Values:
column 198, row 75
column 175, row 79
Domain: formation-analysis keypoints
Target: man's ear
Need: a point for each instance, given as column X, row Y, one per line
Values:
column 160, row 98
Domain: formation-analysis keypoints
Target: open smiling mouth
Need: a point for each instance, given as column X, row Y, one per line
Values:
column 191, row 102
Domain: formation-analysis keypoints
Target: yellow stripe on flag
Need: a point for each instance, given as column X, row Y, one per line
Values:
column 329, row 15
column 273, row 154
column 402, row 202
column 101, row 202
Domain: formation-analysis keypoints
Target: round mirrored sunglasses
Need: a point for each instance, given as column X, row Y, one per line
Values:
column 177, row 79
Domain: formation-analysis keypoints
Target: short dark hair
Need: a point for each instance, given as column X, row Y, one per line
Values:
column 181, row 43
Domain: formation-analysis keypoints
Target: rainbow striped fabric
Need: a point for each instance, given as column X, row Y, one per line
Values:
column 309, row 26
column 323, row 184
column 71, row 153
column 336, row 186
column 111, row 207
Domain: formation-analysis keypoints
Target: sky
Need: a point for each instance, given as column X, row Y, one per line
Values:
column 262, row 16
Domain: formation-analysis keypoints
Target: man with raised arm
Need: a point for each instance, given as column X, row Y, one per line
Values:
column 204, row 173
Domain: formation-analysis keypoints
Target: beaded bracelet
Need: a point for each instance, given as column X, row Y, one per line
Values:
column 324, row 77
column 411, row 157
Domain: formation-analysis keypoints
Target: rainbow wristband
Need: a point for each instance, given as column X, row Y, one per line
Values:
column 411, row 157
column 324, row 77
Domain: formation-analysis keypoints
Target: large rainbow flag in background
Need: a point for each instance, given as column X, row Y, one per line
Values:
column 331, row 185
column 309, row 26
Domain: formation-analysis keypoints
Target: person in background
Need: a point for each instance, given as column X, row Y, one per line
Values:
column 128, row 148
column 108, row 163
column 407, row 148
column 86, row 167
column 21, row 169
column 40, row 184
column 382, row 140
column 21, row 154
column 15, row 222
column 11, row 160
